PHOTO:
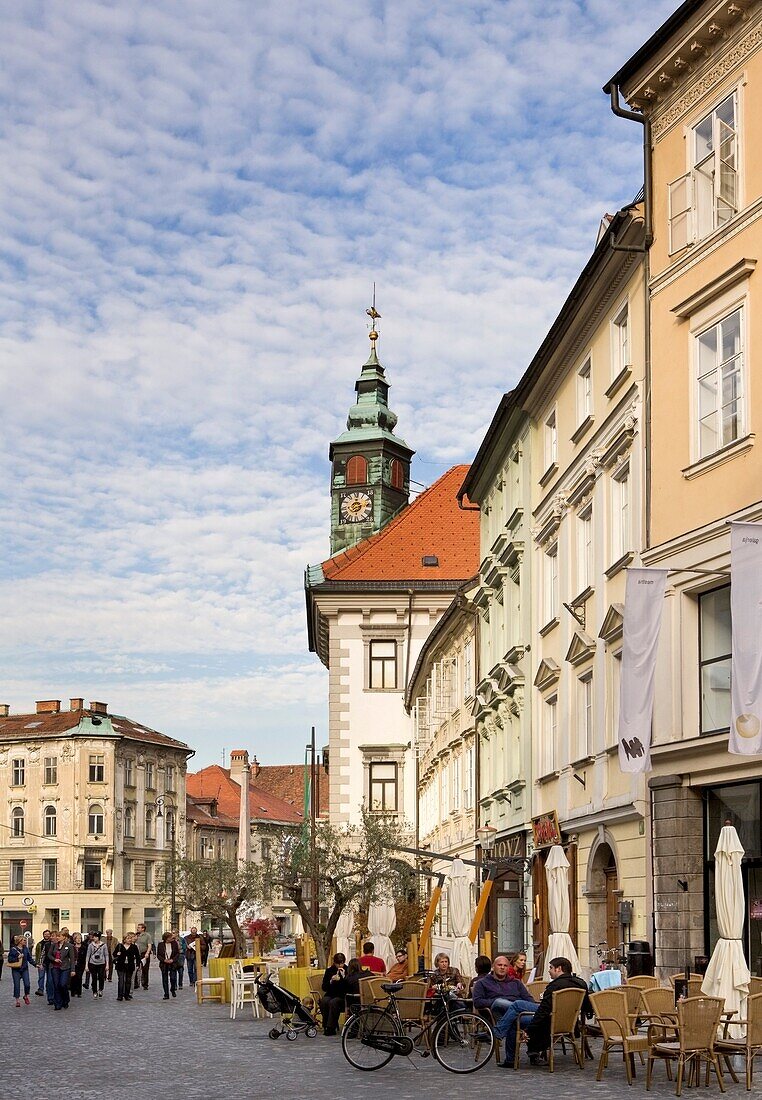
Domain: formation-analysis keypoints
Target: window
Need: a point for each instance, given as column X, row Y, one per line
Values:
column 383, row 665
column 585, row 549
column 17, row 773
column 129, row 773
column 127, row 874
column 620, row 335
column 50, row 874
column 621, row 535
column 97, row 769
column 707, row 196
column 17, row 874
column 149, row 874
column 207, row 847
column 50, row 821
column 149, row 776
column 551, row 583
column 719, row 367
column 169, row 827
column 92, row 876
column 584, row 716
column 457, row 774
column 551, row 441
column 95, row 821
column 468, row 788
column 396, row 475
column 17, row 822
column 468, row 669
column 169, row 777
column 549, row 733
column 616, row 687
column 444, row 791
column 584, row 391
column 383, row 787
column 129, row 821
column 50, row 770
column 357, row 470
column 150, row 823
column 714, row 660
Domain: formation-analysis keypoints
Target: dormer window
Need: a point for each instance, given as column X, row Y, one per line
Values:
column 357, row 470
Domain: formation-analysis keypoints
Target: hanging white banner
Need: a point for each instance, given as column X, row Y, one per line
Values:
column 643, row 605
column 746, row 664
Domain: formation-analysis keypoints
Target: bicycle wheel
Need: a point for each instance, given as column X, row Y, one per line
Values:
column 463, row 1043
column 358, row 1034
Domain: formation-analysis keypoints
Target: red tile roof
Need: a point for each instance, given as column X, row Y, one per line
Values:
column 22, row 727
column 432, row 524
column 286, row 781
column 215, row 782
column 197, row 812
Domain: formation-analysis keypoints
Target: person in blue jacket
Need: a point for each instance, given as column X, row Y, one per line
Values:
column 19, row 960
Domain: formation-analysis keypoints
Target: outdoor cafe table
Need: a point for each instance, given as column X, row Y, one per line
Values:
column 220, row 968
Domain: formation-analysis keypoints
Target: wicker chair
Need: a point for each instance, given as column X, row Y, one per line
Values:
column 697, row 1021
column 613, row 1016
column 681, row 974
column 371, row 992
column 312, row 999
column 564, row 1017
column 486, row 1014
column 536, row 990
column 749, row 1047
column 643, row 981
column 411, row 1001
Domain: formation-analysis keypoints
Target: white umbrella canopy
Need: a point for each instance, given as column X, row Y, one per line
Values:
column 727, row 975
column 459, row 909
column 381, row 922
column 560, row 943
column 297, row 924
column 345, row 933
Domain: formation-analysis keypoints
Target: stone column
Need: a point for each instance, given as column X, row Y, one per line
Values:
column 678, row 856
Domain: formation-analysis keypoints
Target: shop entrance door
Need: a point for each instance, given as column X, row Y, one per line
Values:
column 612, row 907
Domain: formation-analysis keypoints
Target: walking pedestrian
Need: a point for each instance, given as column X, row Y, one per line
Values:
column 40, row 957
column 168, row 952
column 97, row 956
column 144, row 943
column 192, row 949
column 2, row 958
column 79, row 949
column 88, row 939
column 19, row 961
column 126, row 963
column 180, row 964
column 60, row 960
column 110, row 945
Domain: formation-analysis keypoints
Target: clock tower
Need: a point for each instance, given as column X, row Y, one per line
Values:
column 370, row 465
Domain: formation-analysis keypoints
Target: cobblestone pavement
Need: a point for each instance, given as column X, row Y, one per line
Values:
column 151, row 1049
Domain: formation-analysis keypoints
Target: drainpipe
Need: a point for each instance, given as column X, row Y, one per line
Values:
column 645, row 122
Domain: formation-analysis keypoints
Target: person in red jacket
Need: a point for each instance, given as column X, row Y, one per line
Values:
column 371, row 962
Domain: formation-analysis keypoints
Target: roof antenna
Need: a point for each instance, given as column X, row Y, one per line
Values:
column 223, row 758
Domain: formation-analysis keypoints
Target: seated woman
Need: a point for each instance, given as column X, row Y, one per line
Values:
column 444, row 981
column 334, row 993
column 517, row 966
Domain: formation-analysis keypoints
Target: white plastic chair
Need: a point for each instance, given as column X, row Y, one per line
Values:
column 243, row 990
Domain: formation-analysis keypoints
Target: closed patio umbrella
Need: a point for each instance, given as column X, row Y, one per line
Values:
column 459, row 909
column 560, row 943
column 297, row 924
column 345, row 933
column 381, row 922
column 727, row 975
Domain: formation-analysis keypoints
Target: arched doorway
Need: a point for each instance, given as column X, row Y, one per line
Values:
column 603, row 896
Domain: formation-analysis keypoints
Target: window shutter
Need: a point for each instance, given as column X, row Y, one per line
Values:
column 703, row 199
column 727, row 191
column 680, row 203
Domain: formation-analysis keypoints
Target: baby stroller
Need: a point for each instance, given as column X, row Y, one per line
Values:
column 294, row 1016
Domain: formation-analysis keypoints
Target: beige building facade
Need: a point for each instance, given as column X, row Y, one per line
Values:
column 92, row 803
column 698, row 84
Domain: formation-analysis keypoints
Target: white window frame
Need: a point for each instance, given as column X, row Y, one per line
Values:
column 18, row 823
column 621, row 340
column 50, row 771
column 50, row 821
column 549, row 735
column 383, row 667
column 150, row 776
column 699, row 330
column 48, row 866
column 457, row 773
column 18, row 772
column 585, row 715
column 697, row 202
column 96, row 768
column 585, row 549
column 550, row 586
column 129, row 822
column 585, row 390
column 468, row 787
column 95, row 812
column 550, row 437
column 621, row 512
column 129, row 772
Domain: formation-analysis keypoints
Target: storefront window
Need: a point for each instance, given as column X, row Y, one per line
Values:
column 740, row 804
column 714, row 660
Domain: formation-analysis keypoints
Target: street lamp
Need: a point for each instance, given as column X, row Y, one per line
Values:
column 172, row 854
column 486, row 835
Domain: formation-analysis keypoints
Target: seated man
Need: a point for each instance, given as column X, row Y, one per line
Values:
column 370, row 961
column 334, row 993
column 561, row 977
column 498, row 992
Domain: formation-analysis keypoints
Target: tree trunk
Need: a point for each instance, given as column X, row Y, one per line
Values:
column 238, row 937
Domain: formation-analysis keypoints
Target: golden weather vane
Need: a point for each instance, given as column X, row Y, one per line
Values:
column 374, row 316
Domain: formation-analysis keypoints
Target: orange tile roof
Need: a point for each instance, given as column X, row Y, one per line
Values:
column 432, row 524
column 286, row 781
column 215, row 782
column 196, row 812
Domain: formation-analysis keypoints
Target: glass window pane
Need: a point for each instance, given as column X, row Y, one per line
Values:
column 707, row 394
column 726, row 112
column 740, row 804
column 708, row 435
column 731, row 335
column 715, row 624
column 707, row 351
column 730, row 430
column 715, row 697
column 703, row 137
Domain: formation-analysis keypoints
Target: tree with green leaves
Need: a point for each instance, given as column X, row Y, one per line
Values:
column 353, row 864
column 220, row 889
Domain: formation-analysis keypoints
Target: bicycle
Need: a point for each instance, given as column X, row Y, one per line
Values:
column 611, row 958
column 461, row 1041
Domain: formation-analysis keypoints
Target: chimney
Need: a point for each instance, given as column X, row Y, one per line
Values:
column 98, row 708
column 5, row 710
column 76, row 704
column 48, row 706
column 256, row 768
column 239, row 772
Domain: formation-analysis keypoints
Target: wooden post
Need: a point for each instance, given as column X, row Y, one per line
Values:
column 412, row 956
column 436, row 893
column 488, row 944
column 480, row 910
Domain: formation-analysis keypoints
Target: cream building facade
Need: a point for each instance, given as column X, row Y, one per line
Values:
column 91, row 803
column 698, row 86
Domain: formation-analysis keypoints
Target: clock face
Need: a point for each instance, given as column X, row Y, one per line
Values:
column 356, row 507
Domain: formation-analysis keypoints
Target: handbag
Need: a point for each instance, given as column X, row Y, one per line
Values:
column 16, row 965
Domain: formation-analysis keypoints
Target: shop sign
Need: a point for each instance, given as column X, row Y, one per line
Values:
column 65, row 914
column 545, row 830
column 508, row 847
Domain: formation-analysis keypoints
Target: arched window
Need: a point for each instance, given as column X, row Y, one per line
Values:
column 50, row 821
column 397, row 475
column 129, row 821
column 357, row 470
column 95, row 821
column 17, row 821
column 169, row 827
column 150, row 835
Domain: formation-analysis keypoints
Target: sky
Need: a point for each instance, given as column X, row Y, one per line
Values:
column 195, row 202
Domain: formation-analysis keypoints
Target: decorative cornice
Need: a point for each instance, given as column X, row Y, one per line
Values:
column 620, row 443
column 711, row 290
column 582, row 648
column 547, row 674
column 613, row 624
